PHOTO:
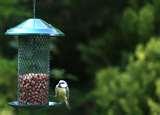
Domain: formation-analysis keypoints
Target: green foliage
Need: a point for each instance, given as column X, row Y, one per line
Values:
column 10, row 8
column 146, row 21
column 129, row 21
column 59, row 74
column 141, row 22
column 118, row 93
column 154, row 107
column 135, row 89
column 7, row 85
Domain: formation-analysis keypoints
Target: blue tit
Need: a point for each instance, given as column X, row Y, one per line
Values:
column 62, row 92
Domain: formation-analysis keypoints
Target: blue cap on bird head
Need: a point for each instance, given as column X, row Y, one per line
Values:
column 62, row 83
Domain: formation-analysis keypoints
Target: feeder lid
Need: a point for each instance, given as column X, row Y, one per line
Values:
column 34, row 26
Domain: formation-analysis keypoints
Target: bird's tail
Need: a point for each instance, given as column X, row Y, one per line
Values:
column 67, row 104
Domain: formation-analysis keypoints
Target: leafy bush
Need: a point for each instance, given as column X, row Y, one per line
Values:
column 135, row 90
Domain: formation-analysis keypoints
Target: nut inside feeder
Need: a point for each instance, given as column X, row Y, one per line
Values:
column 33, row 61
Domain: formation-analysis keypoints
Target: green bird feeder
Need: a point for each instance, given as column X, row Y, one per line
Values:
column 33, row 62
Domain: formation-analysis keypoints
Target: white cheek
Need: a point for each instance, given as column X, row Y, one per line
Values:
column 63, row 85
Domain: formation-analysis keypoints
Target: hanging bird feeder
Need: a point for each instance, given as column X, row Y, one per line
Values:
column 33, row 61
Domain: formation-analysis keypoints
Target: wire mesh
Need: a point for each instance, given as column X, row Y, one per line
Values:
column 33, row 71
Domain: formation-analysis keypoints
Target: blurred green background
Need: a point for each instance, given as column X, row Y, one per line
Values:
column 110, row 56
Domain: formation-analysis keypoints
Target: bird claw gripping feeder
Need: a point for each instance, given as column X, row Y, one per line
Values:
column 33, row 62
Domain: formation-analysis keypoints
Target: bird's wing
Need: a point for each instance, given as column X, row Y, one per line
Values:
column 67, row 92
column 56, row 91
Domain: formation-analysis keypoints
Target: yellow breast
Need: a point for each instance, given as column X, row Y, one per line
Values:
column 61, row 93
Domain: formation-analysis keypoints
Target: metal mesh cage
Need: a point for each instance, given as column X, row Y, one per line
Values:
column 33, row 61
column 33, row 71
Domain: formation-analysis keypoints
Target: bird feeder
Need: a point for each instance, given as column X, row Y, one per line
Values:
column 33, row 61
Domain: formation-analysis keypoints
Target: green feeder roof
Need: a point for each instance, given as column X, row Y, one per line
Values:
column 34, row 26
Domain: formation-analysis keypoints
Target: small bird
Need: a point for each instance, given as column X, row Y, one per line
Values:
column 62, row 92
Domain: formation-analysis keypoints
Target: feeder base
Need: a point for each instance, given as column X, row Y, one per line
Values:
column 16, row 104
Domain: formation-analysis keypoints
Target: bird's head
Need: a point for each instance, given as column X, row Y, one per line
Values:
column 62, row 84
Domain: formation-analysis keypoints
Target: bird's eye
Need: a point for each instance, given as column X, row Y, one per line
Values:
column 61, row 83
